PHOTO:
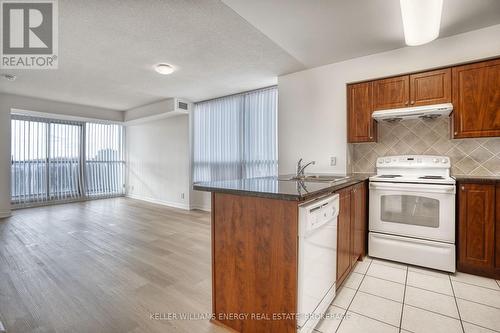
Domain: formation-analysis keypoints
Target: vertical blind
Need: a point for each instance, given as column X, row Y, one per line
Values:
column 235, row 137
column 104, row 160
column 55, row 160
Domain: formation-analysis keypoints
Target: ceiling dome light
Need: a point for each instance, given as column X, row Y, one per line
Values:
column 164, row 69
column 421, row 20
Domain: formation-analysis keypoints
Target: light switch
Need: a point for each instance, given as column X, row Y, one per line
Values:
column 333, row 161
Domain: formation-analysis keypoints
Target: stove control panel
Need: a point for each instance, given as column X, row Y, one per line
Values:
column 414, row 161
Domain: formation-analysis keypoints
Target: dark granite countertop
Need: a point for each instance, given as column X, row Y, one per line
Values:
column 276, row 188
column 477, row 179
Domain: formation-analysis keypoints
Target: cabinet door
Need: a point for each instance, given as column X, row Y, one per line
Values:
column 361, row 126
column 430, row 87
column 497, row 229
column 476, row 99
column 344, row 236
column 391, row 93
column 476, row 228
column 358, row 220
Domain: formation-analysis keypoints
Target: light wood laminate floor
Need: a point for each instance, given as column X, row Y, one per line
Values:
column 104, row 266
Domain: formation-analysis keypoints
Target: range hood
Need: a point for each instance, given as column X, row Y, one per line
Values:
column 422, row 112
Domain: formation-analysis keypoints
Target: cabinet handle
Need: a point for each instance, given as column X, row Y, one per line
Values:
column 463, row 188
column 412, row 102
column 406, row 103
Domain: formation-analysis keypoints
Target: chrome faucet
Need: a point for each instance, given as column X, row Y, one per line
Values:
column 300, row 168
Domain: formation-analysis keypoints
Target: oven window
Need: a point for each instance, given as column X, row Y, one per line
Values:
column 410, row 209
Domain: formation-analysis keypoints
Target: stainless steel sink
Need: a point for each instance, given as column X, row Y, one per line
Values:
column 317, row 178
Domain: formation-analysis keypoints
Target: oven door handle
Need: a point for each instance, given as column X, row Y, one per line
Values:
column 408, row 187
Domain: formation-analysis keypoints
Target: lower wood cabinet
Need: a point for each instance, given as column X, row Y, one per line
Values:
column 359, row 230
column 351, row 230
column 344, row 236
column 497, row 233
column 479, row 229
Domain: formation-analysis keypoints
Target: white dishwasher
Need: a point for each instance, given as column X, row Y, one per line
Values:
column 317, row 260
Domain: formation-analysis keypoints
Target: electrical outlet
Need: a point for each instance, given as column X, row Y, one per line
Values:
column 333, row 161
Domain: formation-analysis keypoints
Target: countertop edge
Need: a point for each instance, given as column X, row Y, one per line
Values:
column 355, row 179
column 477, row 179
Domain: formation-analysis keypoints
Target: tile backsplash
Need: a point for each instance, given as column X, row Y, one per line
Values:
column 429, row 137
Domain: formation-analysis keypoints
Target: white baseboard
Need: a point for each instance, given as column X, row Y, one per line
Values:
column 5, row 213
column 159, row 202
column 201, row 207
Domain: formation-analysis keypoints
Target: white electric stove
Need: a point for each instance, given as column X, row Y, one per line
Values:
column 412, row 211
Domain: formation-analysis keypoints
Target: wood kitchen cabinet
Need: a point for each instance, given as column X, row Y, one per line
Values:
column 429, row 88
column 362, row 128
column 474, row 90
column 351, row 229
column 476, row 229
column 391, row 93
column 256, row 251
column 497, row 232
column 432, row 87
column 358, row 222
column 426, row 88
column 344, row 236
column 476, row 99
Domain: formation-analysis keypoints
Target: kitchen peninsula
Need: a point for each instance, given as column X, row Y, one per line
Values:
column 255, row 246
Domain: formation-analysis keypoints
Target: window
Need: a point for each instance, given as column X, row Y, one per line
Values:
column 51, row 163
column 410, row 209
column 104, row 160
column 235, row 137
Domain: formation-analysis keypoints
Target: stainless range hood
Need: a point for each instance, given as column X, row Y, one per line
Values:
column 422, row 112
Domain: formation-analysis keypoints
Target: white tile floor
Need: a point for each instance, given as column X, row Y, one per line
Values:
column 384, row 296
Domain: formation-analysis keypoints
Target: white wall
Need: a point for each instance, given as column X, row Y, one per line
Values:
column 158, row 161
column 8, row 102
column 312, row 117
column 4, row 159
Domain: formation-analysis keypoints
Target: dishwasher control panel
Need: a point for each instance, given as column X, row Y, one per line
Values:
column 318, row 212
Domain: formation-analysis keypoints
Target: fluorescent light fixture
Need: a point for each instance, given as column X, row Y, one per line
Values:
column 164, row 69
column 421, row 20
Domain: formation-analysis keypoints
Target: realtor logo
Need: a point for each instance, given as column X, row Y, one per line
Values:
column 29, row 34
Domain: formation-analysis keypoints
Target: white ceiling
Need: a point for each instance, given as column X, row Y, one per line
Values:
column 107, row 48
column 318, row 32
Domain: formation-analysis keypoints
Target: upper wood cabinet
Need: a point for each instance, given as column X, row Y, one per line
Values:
column 391, row 93
column 476, row 99
column 362, row 128
column 476, row 228
column 432, row 87
column 473, row 89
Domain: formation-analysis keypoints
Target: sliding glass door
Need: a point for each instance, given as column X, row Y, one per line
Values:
column 65, row 161
column 55, row 160
column 29, row 158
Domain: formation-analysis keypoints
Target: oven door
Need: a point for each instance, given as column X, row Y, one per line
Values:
column 425, row 211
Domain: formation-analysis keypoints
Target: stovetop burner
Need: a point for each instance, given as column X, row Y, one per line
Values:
column 389, row 176
column 431, row 177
